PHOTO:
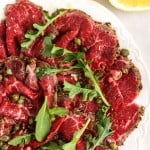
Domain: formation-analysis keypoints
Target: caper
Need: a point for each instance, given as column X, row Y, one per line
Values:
column 21, row 100
column 125, row 70
column 99, row 100
column 84, row 49
column 77, row 41
column 53, row 118
column 16, row 127
column 9, row 72
column 1, row 143
column 4, row 138
column 4, row 147
column 1, row 77
column 53, row 36
column 15, row 97
column 113, row 146
column 31, row 120
column 124, row 52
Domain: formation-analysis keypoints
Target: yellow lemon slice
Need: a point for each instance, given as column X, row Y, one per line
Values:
column 131, row 5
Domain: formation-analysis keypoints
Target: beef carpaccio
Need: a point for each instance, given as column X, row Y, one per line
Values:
column 65, row 83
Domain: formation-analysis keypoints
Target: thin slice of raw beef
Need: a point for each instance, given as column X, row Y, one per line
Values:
column 3, row 50
column 16, row 65
column 81, row 145
column 124, row 120
column 100, row 39
column 20, row 17
column 48, row 84
column 70, row 125
column 121, row 88
column 14, row 111
column 70, row 24
column 12, row 85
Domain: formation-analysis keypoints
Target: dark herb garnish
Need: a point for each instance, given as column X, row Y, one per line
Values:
column 103, row 128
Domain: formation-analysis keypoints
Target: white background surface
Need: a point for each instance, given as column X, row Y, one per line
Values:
column 138, row 24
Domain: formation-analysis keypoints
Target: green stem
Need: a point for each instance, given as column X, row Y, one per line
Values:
column 97, row 87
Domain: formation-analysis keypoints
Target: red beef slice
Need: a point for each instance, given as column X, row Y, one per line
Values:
column 20, row 17
column 91, row 106
column 70, row 24
column 14, row 111
column 129, row 85
column 2, row 92
column 81, row 145
column 124, row 120
column 121, row 64
column 48, row 84
column 66, row 77
column 103, row 52
column 3, row 52
column 17, row 67
column 121, row 89
column 99, row 38
column 35, row 50
column 70, row 125
column 12, row 85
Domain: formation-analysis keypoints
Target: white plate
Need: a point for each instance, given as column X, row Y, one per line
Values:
column 139, row 138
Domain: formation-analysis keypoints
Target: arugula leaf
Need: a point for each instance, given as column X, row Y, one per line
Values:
column 74, row 56
column 51, row 146
column 44, row 119
column 21, row 140
column 52, row 50
column 43, row 122
column 58, row 111
column 76, row 136
column 76, row 89
column 47, row 70
column 103, row 127
column 31, row 37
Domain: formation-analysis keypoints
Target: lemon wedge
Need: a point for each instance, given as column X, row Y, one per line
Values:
column 131, row 5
